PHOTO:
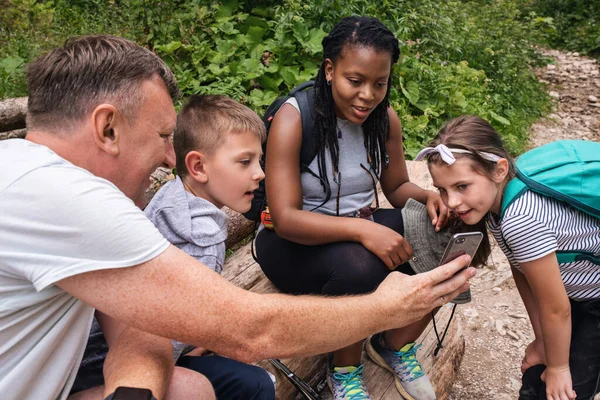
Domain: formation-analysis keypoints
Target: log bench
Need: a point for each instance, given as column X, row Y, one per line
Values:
column 241, row 269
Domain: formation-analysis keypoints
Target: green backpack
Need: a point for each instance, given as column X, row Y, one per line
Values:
column 567, row 170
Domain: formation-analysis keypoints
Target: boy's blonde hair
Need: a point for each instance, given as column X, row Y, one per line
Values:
column 204, row 121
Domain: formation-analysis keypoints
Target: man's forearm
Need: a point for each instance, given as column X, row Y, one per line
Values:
column 174, row 296
column 139, row 359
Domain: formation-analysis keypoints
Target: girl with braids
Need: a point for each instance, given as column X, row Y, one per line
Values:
column 326, row 238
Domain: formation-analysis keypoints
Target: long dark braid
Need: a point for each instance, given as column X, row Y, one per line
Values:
column 361, row 32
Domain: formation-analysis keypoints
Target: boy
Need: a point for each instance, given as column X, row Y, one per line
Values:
column 218, row 145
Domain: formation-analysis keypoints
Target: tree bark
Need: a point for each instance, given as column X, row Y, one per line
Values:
column 18, row 133
column 238, row 228
column 12, row 114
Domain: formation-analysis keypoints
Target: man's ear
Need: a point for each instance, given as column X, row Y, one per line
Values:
column 501, row 170
column 108, row 126
column 196, row 166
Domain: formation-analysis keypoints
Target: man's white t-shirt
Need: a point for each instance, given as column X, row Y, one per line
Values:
column 58, row 220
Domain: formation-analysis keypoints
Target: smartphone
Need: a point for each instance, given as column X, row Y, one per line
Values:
column 462, row 243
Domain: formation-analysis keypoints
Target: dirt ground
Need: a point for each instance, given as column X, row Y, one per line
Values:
column 497, row 328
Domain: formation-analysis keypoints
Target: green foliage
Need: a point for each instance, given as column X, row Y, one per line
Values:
column 457, row 56
column 576, row 23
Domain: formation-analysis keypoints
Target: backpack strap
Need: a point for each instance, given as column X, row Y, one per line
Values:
column 513, row 190
column 308, row 150
column 306, row 105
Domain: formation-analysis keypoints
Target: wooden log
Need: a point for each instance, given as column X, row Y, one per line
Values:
column 12, row 114
column 241, row 269
column 238, row 227
column 17, row 133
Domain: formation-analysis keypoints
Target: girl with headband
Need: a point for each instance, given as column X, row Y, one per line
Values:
column 471, row 168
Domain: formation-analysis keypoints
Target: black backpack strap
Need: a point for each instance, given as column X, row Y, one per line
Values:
column 300, row 88
column 306, row 106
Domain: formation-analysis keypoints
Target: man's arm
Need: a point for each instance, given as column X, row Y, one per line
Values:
column 141, row 360
column 135, row 358
column 175, row 296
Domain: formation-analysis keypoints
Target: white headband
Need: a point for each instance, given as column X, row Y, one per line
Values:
column 446, row 153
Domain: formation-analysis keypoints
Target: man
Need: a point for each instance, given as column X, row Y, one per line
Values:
column 100, row 118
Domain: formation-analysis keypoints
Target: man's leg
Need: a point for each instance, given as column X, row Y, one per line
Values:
column 232, row 379
column 185, row 384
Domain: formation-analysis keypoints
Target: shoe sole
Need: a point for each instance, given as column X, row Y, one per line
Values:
column 377, row 359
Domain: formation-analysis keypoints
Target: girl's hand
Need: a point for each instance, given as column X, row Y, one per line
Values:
column 387, row 244
column 558, row 383
column 534, row 355
column 437, row 210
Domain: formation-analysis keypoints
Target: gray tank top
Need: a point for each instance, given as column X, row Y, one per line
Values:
column 355, row 185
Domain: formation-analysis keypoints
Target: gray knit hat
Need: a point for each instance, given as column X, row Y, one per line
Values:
column 427, row 244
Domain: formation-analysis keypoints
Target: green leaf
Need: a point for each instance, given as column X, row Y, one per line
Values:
column 314, row 43
column 251, row 68
column 411, row 92
column 228, row 28
column 499, row 118
column 458, row 99
column 169, row 47
column 255, row 35
column 289, row 75
column 226, row 7
column 262, row 11
column 11, row 64
column 260, row 98
column 255, row 21
column 215, row 69
column 273, row 66
column 268, row 83
column 226, row 48
column 300, row 31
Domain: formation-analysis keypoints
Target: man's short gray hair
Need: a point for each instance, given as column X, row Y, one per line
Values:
column 67, row 83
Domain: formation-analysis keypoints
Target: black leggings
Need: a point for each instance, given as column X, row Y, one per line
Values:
column 584, row 356
column 330, row 269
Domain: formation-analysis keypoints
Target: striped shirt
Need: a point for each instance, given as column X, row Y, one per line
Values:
column 534, row 226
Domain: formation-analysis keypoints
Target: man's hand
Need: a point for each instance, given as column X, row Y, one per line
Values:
column 558, row 383
column 419, row 294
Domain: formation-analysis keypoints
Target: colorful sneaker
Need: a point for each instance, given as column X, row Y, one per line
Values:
column 410, row 379
column 346, row 383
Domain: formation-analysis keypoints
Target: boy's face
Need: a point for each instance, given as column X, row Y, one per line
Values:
column 234, row 171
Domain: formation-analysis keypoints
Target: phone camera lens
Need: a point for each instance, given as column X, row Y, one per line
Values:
column 460, row 240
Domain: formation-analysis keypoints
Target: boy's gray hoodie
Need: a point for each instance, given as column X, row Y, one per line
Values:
column 193, row 224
